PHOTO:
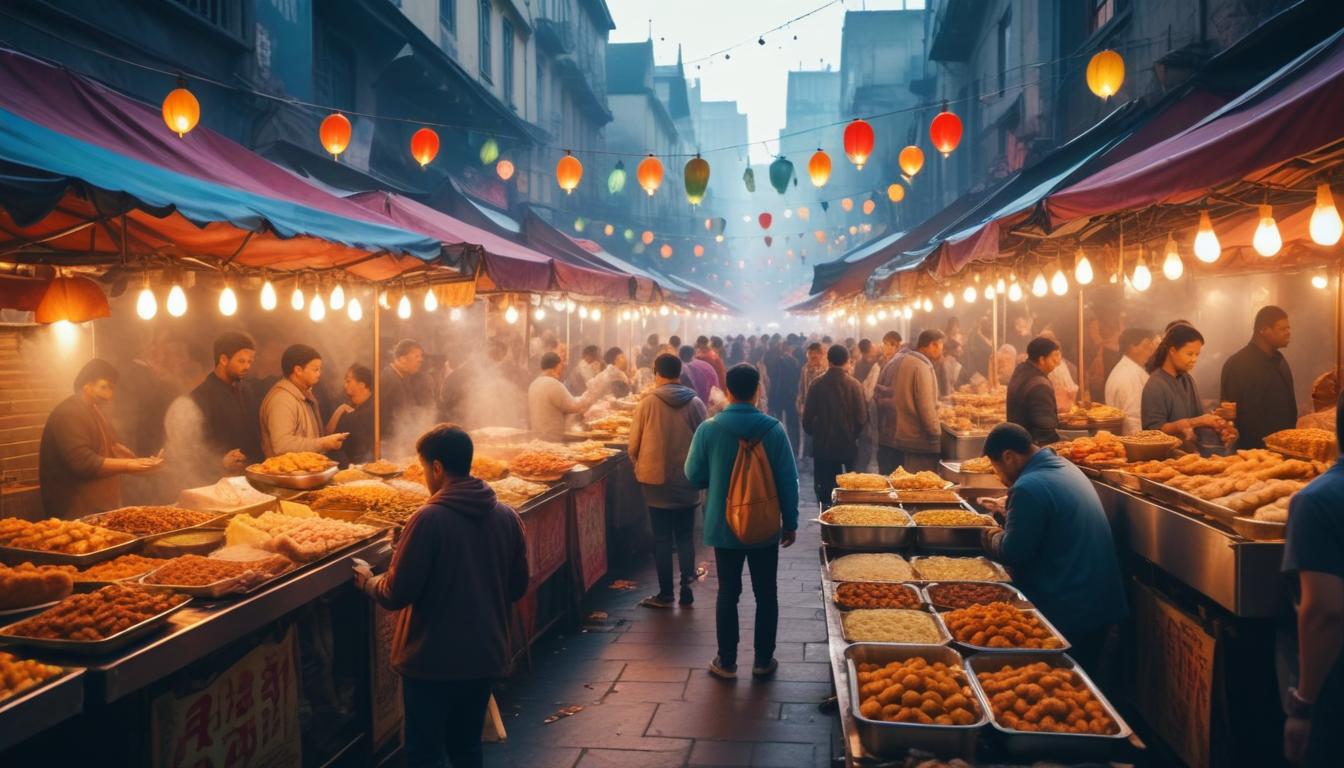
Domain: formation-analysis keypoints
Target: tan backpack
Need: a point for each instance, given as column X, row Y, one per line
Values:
column 752, row 506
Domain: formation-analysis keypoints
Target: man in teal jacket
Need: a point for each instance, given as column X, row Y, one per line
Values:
column 709, row 464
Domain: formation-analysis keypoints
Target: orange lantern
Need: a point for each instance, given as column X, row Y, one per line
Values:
column 699, row 250
column 650, row 174
column 568, row 171
column 1105, row 73
column 764, row 219
column 424, row 146
column 73, row 299
column 819, row 168
column 505, row 169
column 868, row 207
column 647, row 237
column 911, row 160
column 665, row 251
column 945, row 131
column 334, row 133
column 820, row 234
column 859, row 142
column 181, row 110
column 847, row 204
column 895, row 193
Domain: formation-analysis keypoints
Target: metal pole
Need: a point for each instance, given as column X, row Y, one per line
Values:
column 1083, row 396
column 377, row 378
column 1339, row 324
column 993, row 341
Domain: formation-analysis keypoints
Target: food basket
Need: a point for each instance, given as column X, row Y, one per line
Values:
column 1018, row 600
column 17, row 555
column 972, row 648
column 866, row 537
column 893, row 740
column 1149, row 451
column 945, row 638
column 107, row 645
column 1259, row 530
column 914, row 562
column 302, row 481
column 1068, row 747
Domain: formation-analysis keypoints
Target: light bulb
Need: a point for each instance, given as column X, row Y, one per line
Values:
column 1038, row 285
column 177, row 301
column 1082, row 271
column 596, row 314
column 1142, row 279
column 1325, row 226
column 404, row 307
column 570, row 305
column 1207, row 248
column 354, row 310
column 1015, row 292
column 296, row 298
column 928, row 304
column 968, row 295
column 538, row 314
column 583, row 313
column 871, row 319
column 268, row 298
column 511, row 315
column 383, row 300
column 337, row 300
column 228, row 301
column 989, row 293
column 999, row 285
column 431, row 300
column 1059, row 283
column 1172, row 266
column 663, row 310
column 908, row 313
column 66, row 332
column 1266, row 239
column 317, row 309
column 455, row 314
column 1319, row 281
column 948, row 301
column 146, row 306
column 881, row 314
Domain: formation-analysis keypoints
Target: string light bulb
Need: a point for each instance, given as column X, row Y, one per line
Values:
column 948, row 300
column 928, row 304
column 583, row 313
column 317, row 309
column 384, row 300
column 1172, row 266
column 404, row 307
column 354, row 310
column 1059, row 284
column 296, row 297
column 146, row 306
column 968, row 295
column 1142, row 279
column 539, row 314
column 1015, row 291
column 431, row 299
column 663, row 310
column 1325, row 226
column 177, row 301
column 596, row 314
column 228, row 301
column 908, row 313
column 1082, row 270
column 1266, row 239
column 455, row 314
column 1039, row 287
column 1207, row 248
column 570, row 306
column 1319, row 281
column 268, row 298
column 511, row 314
column 337, row 300
column 989, row 292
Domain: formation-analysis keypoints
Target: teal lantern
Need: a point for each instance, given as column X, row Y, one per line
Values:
column 749, row 178
column 489, row 151
column 781, row 173
column 616, row 179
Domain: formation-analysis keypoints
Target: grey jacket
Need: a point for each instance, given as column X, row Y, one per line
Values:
column 907, row 404
column 290, row 420
column 660, row 437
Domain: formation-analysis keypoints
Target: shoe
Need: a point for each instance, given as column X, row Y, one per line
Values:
column 764, row 671
column 687, row 596
column 657, row 601
column 722, row 671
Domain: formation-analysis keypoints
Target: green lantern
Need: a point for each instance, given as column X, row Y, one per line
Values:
column 697, row 179
column 629, row 235
column 749, row 178
column 781, row 173
column 616, row 179
column 489, row 151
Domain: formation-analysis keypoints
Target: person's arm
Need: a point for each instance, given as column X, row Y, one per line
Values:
column 697, row 458
column 926, row 400
column 637, row 431
column 1320, row 629
column 519, row 573
column 282, row 423
column 785, row 468
column 1021, row 537
column 564, row 402
column 809, row 418
column 412, row 566
column 698, row 414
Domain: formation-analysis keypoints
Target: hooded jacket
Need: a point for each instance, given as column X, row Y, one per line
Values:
column 459, row 566
column 660, row 437
column 834, row 415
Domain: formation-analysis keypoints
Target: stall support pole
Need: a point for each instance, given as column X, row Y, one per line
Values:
column 1083, row 396
column 377, row 379
column 527, row 335
column 994, row 341
column 1339, row 324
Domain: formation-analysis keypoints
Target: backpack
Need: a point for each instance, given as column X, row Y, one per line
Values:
column 752, row 506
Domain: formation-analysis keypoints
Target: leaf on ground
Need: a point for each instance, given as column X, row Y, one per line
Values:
column 624, row 584
column 562, row 713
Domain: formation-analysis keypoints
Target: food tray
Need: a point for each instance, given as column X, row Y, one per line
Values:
column 842, row 496
column 938, row 625
column 306, row 481
column 150, row 537
column 214, row 590
column 1057, row 746
column 894, row 739
column 1259, row 530
column 1149, row 451
column 384, row 475
column 158, row 548
column 97, row 647
column 1008, row 651
column 1178, row 498
column 830, row 554
column 963, row 538
column 866, row 537
column 1020, row 600
column 830, row 593
column 1121, row 478
column 916, row 498
column 914, row 562
column 868, row 490
column 581, row 476
column 539, row 478
column 970, row 480
column 17, row 555
column 27, row 609
column 1291, row 454
column 33, row 710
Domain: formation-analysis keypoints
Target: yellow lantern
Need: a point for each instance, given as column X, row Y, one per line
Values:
column 911, row 160
column 568, row 172
column 868, row 207
column 819, row 168
column 181, row 110
column 1105, row 73
column 895, row 193
column 646, row 237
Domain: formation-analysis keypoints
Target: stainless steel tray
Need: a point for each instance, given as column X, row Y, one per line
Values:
column 33, row 710
column 1056, row 746
column 16, row 555
column 1187, row 501
column 1064, row 641
column 951, row 537
column 299, row 482
column 581, row 476
column 842, row 496
column 1020, row 600
column 1121, row 479
column 912, row 499
column 215, row 590
column 914, row 562
column 869, row 537
column 954, row 472
column 24, row 610
column 97, row 647
column 830, row 556
column 213, row 521
column 938, row 625
column 830, row 594
column 893, row 740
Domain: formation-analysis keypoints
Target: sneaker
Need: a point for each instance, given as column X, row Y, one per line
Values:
column 687, row 596
column 764, row 671
column 722, row 671
column 657, row 601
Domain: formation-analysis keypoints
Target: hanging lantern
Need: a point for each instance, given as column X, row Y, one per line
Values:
column 334, row 133
column 804, row 213
column 1325, row 226
column 895, row 193
column 354, row 310
column 665, row 251
column 268, row 297
column 868, row 207
column 489, row 151
column 945, row 131
column 948, row 300
column 1142, row 279
column 424, row 146
column 629, row 235
column 608, row 230
column 819, row 168
column 1267, row 240
column 568, row 172
column 1039, row 287
column 698, row 250
column 73, row 299
column 1105, row 73
column 847, row 204
column 1172, row 266
column 697, row 179
column 317, row 309
column 228, row 301
column 650, row 174
column 1207, row 247
column 616, row 179
column 1059, row 283
column 646, row 237
column 781, row 173
column 769, row 241
column 505, row 169
column 859, row 142
column 177, row 301
column 764, row 219
column 580, row 224
column 181, row 110
column 749, row 179
column 911, row 160
column 821, row 236
column 337, row 299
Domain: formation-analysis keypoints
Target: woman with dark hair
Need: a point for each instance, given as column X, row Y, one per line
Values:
column 1171, row 400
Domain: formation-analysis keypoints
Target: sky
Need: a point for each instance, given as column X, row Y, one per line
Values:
column 756, row 76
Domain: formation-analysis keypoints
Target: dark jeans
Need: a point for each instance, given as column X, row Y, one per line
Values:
column 764, row 565
column 823, row 477
column 888, row 459
column 444, row 719
column 673, row 527
column 787, row 414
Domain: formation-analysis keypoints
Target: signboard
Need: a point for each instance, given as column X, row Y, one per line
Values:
column 590, row 533
column 544, row 532
column 1175, row 676
column 385, row 685
column 247, row 716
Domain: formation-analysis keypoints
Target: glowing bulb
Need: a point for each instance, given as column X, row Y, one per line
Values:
column 228, row 302
column 431, row 300
column 871, row 319
column 989, row 293
column 354, row 310
column 1266, row 240
column 663, row 310
column 177, row 301
column 66, row 332
column 511, row 315
column 296, row 298
column 404, row 307
column 999, row 285
column 317, row 309
column 881, row 314
column 1142, row 279
column 583, row 313
column 384, row 301
column 1038, row 285
column 1325, row 226
column 455, row 314
column 268, row 297
column 928, row 304
column 539, row 314
column 948, row 301
column 908, row 313
column 968, row 295
column 1319, row 281
column 1172, row 266
column 146, row 306
column 1059, row 283
column 337, row 300
column 570, row 305
column 1207, row 248
column 1015, row 292
column 596, row 314
column 1082, row 271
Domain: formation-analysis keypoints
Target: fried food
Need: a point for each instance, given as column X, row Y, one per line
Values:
column 978, row 465
column 1101, row 450
column 865, row 514
column 999, row 625
column 381, row 467
column 197, row 571
column 69, row 537
column 871, row 566
column 864, row 594
column 615, row 423
column 951, row 517
column 145, row 521
column 93, row 616
column 1319, row 444
column 487, row 468
column 1039, row 697
column 297, row 463
column 918, row 481
column 18, row 675
column 890, row 625
column 941, row 568
column 300, row 539
column 351, row 475
column 415, row 471
column 589, row 452
column 26, row 584
column 916, row 691
column 1149, row 437
column 124, row 567
column 862, row 481
column 371, row 497
column 945, row 496
column 541, row 464
column 963, row 594
column 515, row 491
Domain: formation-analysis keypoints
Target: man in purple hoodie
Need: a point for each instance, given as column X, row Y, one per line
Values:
column 460, row 565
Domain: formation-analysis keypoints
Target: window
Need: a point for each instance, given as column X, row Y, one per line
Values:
column 506, row 47
column 448, row 16
column 1005, row 42
column 333, row 70
column 1103, row 11
column 485, row 40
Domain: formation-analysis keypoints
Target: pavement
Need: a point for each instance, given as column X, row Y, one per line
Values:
column 646, row 698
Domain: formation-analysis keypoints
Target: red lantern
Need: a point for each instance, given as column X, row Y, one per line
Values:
column 647, row 237
column 505, row 169
column 334, row 133
column 859, row 142
column 424, row 146
column 820, row 235
column 665, row 251
column 765, row 220
column 73, row 299
column 945, row 131
column 568, row 171
column 699, row 250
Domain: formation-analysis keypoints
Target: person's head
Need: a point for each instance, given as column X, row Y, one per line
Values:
column 445, row 453
column 814, row 354
column 686, row 353
column 702, row 341
column 743, row 383
column 1022, row 323
column 716, row 343
column 837, row 356
column 953, row 326
column 614, row 356
column 551, row 363
column 1272, row 328
column 951, row 348
column 234, row 355
column 1005, row 357
column 1179, row 350
column 358, row 383
column 1044, row 353
column 675, row 341
column 1138, row 344
column 97, row 381
column 930, row 344
column 891, row 343
column 1009, row 448
column 867, row 350
column 667, row 369
column 302, row 365
column 550, row 344
column 408, row 356
column 591, row 353
column 652, row 341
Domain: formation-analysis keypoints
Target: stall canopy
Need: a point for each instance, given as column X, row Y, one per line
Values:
column 85, row 170
column 648, row 287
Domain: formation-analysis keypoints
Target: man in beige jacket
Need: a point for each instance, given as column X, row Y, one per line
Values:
column 290, row 417
column 660, row 437
column 909, row 433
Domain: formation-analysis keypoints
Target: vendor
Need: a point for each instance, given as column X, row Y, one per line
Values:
column 1057, row 541
column 355, row 417
column 1258, row 380
column 80, row 460
column 1171, row 400
column 229, row 410
column 1031, row 395
column 549, row 402
column 405, row 390
column 291, row 419
column 1124, row 387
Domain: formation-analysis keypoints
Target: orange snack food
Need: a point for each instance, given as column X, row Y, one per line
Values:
column 916, row 691
column 999, row 625
column 1039, row 697
column 872, row 594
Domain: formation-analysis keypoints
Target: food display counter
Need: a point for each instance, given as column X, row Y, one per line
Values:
column 962, row 445
column 39, row 708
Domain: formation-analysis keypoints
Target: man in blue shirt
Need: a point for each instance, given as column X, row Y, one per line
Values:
column 1056, row 541
column 709, row 464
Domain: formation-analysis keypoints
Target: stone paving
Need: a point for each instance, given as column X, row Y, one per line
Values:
column 647, row 699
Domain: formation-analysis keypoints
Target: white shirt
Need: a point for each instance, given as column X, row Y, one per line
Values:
column 1124, row 390
column 548, row 403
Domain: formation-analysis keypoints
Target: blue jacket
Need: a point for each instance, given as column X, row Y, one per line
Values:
column 710, row 465
column 1058, row 544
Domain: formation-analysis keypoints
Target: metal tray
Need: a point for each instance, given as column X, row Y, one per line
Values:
column 938, row 625
column 1056, row 746
column 1121, row 479
column 1019, row 600
column 893, row 740
column 830, row 593
column 581, row 476
column 150, row 537
column 16, row 555
column 33, row 710
column 1259, row 530
column 842, row 496
column 1006, row 651
column 97, row 647
column 904, row 499
column 27, row 609
column 869, row 537
column 214, row 590
column 952, row 537
column 1183, row 500
column 914, row 562
column 299, row 482
column 970, row 480
column 830, row 555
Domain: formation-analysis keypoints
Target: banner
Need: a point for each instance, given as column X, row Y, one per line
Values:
column 385, row 683
column 1175, row 676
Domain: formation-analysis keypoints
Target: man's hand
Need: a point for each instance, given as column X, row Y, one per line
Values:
column 1296, row 731
column 786, row 538
column 362, row 575
column 144, row 465
column 987, row 537
column 333, row 441
column 234, row 460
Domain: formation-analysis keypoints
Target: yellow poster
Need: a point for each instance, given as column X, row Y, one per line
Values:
column 1175, row 676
